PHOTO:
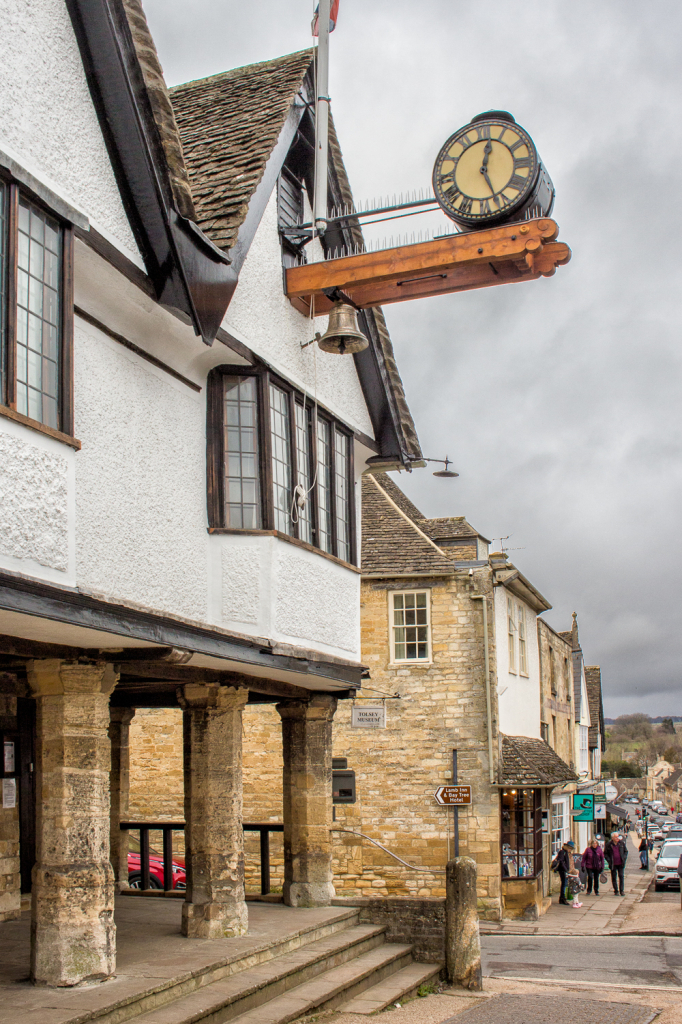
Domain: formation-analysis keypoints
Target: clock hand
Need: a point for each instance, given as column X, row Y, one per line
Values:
column 487, row 180
column 484, row 169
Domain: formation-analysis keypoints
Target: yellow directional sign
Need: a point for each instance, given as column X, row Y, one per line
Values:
column 453, row 796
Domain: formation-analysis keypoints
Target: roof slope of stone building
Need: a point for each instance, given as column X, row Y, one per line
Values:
column 393, row 544
column 531, row 762
column 674, row 778
column 448, row 527
column 594, row 700
column 229, row 125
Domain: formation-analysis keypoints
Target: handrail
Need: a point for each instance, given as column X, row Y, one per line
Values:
column 412, row 867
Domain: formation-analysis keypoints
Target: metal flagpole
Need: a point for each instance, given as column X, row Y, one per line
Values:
column 322, row 118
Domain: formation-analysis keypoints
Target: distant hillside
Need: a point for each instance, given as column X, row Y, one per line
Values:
column 656, row 721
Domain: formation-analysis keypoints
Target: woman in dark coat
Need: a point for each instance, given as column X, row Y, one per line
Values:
column 644, row 853
column 564, row 863
column 593, row 864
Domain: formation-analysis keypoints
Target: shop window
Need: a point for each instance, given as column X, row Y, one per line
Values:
column 559, row 826
column 521, row 833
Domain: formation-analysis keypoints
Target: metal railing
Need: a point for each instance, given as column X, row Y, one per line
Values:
column 412, row 867
column 168, row 827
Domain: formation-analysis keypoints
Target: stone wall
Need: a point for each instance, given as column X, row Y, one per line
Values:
column 420, row 922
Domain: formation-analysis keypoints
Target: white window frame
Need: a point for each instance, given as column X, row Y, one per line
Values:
column 584, row 748
column 560, row 825
column 511, row 642
column 392, row 627
column 523, row 644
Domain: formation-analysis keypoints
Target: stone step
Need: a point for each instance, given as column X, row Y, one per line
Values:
column 250, row 989
column 401, row 985
column 105, row 1010
column 328, row 991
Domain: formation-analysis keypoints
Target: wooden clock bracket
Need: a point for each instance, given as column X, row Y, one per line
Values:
column 523, row 251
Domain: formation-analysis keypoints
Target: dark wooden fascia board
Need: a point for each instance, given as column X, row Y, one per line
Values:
column 187, row 272
column 63, row 604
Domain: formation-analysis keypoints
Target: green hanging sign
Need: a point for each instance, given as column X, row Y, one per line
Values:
column 583, row 807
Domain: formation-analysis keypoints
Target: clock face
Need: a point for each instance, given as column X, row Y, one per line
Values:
column 485, row 172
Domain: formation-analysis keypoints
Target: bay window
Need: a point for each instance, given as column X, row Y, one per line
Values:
column 521, row 833
column 277, row 463
column 36, row 310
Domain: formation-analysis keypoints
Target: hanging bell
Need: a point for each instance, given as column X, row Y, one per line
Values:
column 342, row 336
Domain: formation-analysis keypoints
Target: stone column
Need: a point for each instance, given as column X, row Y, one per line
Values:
column 73, row 936
column 307, row 806
column 119, row 787
column 215, row 905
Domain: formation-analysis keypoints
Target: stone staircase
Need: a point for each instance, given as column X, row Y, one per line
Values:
column 353, row 968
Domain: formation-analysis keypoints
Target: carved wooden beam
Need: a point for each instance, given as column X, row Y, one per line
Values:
column 475, row 259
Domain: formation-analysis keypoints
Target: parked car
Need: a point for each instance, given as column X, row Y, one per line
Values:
column 678, row 818
column 155, row 868
column 630, row 800
column 666, row 866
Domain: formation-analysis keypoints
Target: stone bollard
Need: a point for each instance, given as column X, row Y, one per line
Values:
column 462, row 939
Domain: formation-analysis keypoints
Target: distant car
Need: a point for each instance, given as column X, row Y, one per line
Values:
column 678, row 818
column 666, row 866
column 630, row 800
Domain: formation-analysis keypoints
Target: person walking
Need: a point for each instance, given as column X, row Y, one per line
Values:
column 644, row 854
column 593, row 865
column 616, row 854
column 563, row 863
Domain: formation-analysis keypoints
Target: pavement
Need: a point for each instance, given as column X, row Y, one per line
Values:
column 606, row 914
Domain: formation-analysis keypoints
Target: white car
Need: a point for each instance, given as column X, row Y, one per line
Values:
column 666, row 865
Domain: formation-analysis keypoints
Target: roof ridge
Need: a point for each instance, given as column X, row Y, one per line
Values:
column 242, row 67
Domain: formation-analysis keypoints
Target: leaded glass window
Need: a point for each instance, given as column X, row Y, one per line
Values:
column 410, row 626
column 341, row 494
column 324, row 485
column 280, row 435
column 39, row 248
column 521, row 835
column 305, row 525
column 511, row 641
column 242, row 489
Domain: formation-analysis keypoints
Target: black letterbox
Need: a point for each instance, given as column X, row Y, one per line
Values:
column 343, row 786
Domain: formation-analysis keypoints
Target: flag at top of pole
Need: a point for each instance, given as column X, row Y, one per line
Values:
column 333, row 17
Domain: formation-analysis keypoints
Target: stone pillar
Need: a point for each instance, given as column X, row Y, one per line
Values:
column 73, row 936
column 462, row 938
column 215, row 905
column 119, row 787
column 307, row 805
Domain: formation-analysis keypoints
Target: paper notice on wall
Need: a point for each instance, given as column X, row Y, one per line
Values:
column 8, row 757
column 600, row 810
column 9, row 793
column 368, row 718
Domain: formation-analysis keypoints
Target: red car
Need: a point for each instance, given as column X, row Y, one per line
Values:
column 155, row 868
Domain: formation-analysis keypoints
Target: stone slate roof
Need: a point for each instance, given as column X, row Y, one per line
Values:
column 229, row 124
column 162, row 109
column 400, row 498
column 391, row 544
column 451, row 526
column 594, row 700
column 530, row 762
column 673, row 779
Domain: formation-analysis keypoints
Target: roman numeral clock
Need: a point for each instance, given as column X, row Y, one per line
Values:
column 490, row 173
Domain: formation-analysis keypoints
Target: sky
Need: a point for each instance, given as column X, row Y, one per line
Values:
column 558, row 400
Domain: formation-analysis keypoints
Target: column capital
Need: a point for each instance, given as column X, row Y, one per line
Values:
column 50, row 677
column 211, row 696
column 121, row 716
column 321, row 708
